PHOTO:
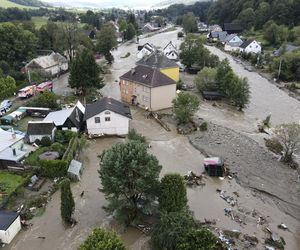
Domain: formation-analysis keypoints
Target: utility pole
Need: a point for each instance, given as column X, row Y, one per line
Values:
column 279, row 69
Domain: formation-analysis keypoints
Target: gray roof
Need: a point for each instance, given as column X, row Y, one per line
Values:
column 229, row 37
column 48, row 61
column 107, row 103
column 157, row 60
column 147, row 76
column 40, row 127
column 6, row 219
column 246, row 43
column 7, row 139
column 222, row 36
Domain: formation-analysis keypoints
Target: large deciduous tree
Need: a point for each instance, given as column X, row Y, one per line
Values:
column 85, row 72
column 101, row 239
column 289, row 136
column 129, row 177
column 67, row 202
column 184, row 106
column 106, row 41
column 206, row 79
column 189, row 23
column 172, row 197
column 7, row 86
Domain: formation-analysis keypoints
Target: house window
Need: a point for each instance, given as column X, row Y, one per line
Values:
column 107, row 119
column 107, row 113
column 97, row 119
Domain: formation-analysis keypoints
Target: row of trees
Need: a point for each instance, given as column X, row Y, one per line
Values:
column 254, row 13
column 226, row 82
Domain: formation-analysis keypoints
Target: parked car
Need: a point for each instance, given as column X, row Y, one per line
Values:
column 5, row 106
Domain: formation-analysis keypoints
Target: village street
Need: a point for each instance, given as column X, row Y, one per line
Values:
column 175, row 154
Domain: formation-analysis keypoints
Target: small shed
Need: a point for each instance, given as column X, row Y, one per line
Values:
column 214, row 166
column 10, row 225
column 75, row 170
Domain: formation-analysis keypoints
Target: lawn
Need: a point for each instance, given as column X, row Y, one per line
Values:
column 9, row 182
column 23, row 123
column 8, row 4
column 39, row 21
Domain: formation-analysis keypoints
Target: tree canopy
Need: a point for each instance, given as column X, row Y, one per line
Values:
column 189, row 23
column 185, row 106
column 172, row 197
column 129, row 178
column 67, row 202
column 85, row 72
column 47, row 99
column 101, row 239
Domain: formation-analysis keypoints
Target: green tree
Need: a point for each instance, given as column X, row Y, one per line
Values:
column 129, row 177
column 172, row 196
column 275, row 34
column 130, row 32
column 222, row 70
column 67, row 205
column 106, row 41
column 7, row 86
column 122, row 25
column 189, row 23
column 247, row 18
column 135, row 136
column 262, row 14
column 101, row 239
column 185, row 106
column 189, row 50
column 198, row 239
column 206, row 79
column 170, row 229
column 17, row 45
column 47, row 99
column 85, row 72
column 241, row 96
column 289, row 136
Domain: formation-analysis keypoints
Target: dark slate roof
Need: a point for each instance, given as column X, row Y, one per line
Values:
column 157, row 60
column 107, row 103
column 246, row 43
column 6, row 219
column 287, row 48
column 40, row 128
column 232, row 27
column 170, row 44
column 147, row 76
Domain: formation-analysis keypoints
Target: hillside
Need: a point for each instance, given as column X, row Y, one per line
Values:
column 167, row 3
column 22, row 4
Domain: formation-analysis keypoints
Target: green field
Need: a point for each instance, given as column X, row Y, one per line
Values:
column 9, row 182
column 8, row 4
column 39, row 21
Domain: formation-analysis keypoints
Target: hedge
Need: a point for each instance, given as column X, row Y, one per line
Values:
column 53, row 168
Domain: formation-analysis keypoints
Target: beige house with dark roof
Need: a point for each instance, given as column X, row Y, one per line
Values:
column 148, row 88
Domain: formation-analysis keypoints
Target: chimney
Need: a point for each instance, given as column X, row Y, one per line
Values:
column 109, row 100
column 132, row 71
column 13, row 134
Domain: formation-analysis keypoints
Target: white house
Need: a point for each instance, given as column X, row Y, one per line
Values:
column 12, row 148
column 36, row 130
column 107, row 117
column 10, row 225
column 169, row 47
column 147, row 49
column 250, row 46
column 49, row 66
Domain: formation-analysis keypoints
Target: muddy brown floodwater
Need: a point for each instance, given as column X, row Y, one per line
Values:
column 175, row 154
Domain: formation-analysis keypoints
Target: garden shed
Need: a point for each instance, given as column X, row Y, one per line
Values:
column 75, row 170
column 10, row 225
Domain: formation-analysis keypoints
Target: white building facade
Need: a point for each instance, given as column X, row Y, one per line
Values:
column 9, row 231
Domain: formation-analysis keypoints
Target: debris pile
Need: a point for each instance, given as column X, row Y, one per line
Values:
column 193, row 179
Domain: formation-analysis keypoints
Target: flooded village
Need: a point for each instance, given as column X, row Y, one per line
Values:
column 254, row 204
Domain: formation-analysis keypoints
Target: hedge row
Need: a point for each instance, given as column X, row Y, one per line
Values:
column 71, row 150
column 53, row 168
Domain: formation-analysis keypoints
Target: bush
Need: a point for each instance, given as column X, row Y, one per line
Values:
column 47, row 99
column 203, row 126
column 63, row 136
column 180, row 34
column 67, row 202
column 53, row 168
column 46, row 141
column 135, row 136
column 57, row 147
column 101, row 239
column 71, row 150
